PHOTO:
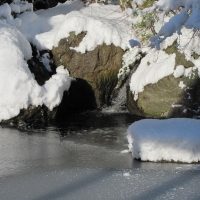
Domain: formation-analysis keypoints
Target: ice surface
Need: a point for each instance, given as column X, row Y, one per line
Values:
column 40, row 165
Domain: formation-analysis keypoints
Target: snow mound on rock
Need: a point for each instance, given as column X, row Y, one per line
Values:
column 176, row 140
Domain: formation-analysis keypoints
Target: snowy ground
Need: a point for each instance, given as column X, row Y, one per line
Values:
column 43, row 166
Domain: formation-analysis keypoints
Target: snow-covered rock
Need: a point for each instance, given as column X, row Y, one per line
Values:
column 172, row 140
column 165, row 85
column 97, row 69
column 18, row 88
column 167, row 81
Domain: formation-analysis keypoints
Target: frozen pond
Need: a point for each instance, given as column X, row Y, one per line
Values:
column 82, row 158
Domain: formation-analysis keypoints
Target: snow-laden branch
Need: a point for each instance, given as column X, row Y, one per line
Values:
column 186, row 14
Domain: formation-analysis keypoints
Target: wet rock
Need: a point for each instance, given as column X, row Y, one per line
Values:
column 99, row 68
column 32, row 116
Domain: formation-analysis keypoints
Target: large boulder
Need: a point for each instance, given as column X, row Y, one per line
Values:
column 171, row 96
column 99, row 68
column 167, row 99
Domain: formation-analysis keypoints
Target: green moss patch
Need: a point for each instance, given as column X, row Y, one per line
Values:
column 156, row 100
column 180, row 57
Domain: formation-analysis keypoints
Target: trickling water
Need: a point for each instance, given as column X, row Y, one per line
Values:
column 118, row 104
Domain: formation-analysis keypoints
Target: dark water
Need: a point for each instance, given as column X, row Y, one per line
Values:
column 83, row 158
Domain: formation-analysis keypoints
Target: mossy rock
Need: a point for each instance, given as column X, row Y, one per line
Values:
column 170, row 96
column 180, row 57
column 98, row 67
column 167, row 99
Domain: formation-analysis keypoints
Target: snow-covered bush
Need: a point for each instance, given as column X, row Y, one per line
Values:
column 184, row 13
column 144, row 26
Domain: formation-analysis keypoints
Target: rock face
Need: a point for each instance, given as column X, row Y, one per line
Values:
column 170, row 96
column 32, row 116
column 166, row 99
column 98, row 68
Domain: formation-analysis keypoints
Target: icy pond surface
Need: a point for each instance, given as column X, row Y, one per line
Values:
column 84, row 158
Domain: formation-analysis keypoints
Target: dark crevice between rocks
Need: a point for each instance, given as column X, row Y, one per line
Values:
column 38, row 4
column 45, row 4
column 37, row 67
column 79, row 98
column 190, row 102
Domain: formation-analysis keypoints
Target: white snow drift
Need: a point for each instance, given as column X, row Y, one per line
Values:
column 18, row 88
column 103, row 24
column 165, row 140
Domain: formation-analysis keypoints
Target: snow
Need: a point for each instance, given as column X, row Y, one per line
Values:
column 19, row 6
column 179, row 71
column 188, row 17
column 41, row 26
column 45, row 59
column 182, row 85
column 18, row 88
column 129, row 58
column 150, row 140
column 46, row 28
column 157, row 64
column 175, row 140
column 5, row 15
column 175, row 29
column 153, row 67
column 99, row 21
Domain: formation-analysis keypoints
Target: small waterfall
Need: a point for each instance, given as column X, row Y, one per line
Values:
column 118, row 103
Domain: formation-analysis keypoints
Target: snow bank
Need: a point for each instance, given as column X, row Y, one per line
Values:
column 165, row 140
column 103, row 23
column 5, row 15
column 18, row 88
column 42, row 25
